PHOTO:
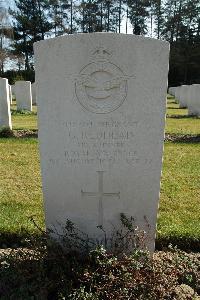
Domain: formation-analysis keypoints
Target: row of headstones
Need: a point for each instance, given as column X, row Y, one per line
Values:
column 24, row 93
column 188, row 96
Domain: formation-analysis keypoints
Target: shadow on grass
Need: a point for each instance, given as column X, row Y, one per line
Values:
column 185, row 243
column 169, row 107
column 182, row 117
column 19, row 133
column 23, row 112
column 22, row 133
column 171, row 100
column 16, row 240
column 182, row 138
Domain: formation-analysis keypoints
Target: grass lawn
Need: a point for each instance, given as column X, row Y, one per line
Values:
column 179, row 213
column 178, row 120
column 24, row 121
column 20, row 183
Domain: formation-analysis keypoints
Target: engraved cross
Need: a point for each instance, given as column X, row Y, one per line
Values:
column 100, row 194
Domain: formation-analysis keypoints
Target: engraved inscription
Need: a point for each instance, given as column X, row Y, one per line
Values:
column 100, row 194
column 101, row 86
column 106, row 141
column 101, row 143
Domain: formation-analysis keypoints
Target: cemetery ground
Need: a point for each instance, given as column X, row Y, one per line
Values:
column 178, row 223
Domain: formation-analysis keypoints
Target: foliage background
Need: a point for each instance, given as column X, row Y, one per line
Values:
column 28, row 21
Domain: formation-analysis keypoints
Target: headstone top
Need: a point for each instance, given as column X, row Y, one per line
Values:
column 108, row 35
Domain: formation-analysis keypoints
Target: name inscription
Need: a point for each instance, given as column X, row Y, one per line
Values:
column 99, row 143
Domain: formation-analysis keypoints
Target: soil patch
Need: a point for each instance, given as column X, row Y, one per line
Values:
column 182, row 138
column 25, row 133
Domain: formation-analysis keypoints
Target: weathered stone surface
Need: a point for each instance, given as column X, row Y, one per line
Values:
column 10, row 93
column 33, row 88
column 101, row 104
column 194, row 101
column 177, row 94
column 23, row 95
column 172, row 90
column 183, row 96
column 13, row 90
column 5, row 115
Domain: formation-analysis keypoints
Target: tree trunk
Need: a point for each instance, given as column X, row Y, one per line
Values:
column 83, row 17
column 151, row 18
column 108, row 13
column 71, row 13
column 2, row 64
column 120, row 10
column 198, row 30
column 26, row 53
column 40, row 16
column 127, row 21
column 179, row 20
column 101, row 17
column 159, row 19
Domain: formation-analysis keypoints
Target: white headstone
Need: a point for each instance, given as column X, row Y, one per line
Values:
column 13, row 92
column 23, row 95
column 33, row 88
column 183, row 96
column 177, row 94
column 10, row 94
column 101, row 103
column 188, row 96
column 13, row 89
column 172, row 90
column 194, row 101
column 5, row 115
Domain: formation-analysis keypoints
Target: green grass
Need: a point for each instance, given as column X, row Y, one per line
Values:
column 24, row 121
column 173, row 108
column 20, row 185
column 180, row 123
column 21, row 193
column 179, row 213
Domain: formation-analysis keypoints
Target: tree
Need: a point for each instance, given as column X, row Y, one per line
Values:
column 98, row 16
column 5, row 34
column 61, row 16
column 138, row 15
column 158, row 13
column 180, row 28
column 90, row 20
column 30, row 25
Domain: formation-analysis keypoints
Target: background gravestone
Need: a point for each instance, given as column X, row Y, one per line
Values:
column 13, row 90
column 101, row 129
column 33, row 88
column 194, row 103
column 5, row 115
column 172, row 90
column 23, row 95
column 183, row 96
column 10, row 93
